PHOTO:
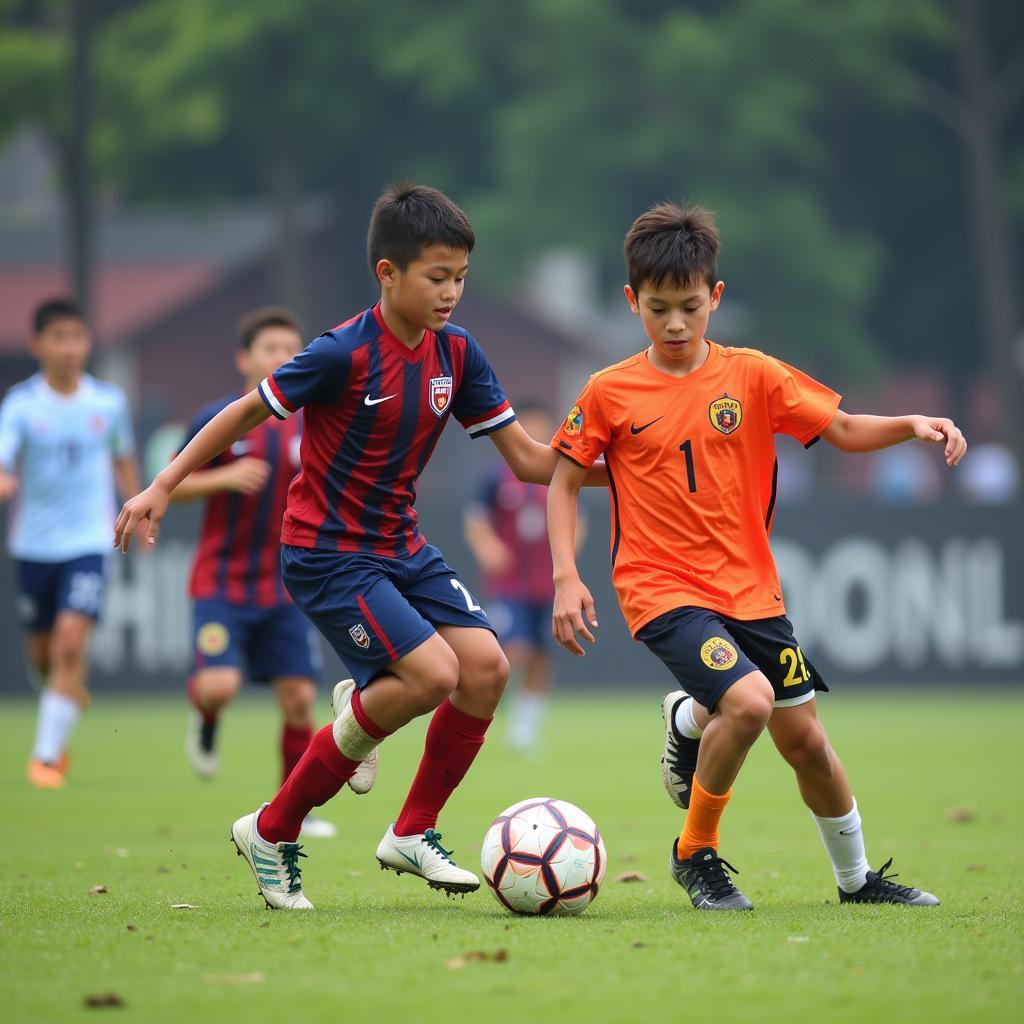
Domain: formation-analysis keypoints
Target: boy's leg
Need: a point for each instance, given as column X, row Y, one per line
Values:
column 741, row 715
column 417, row 682
column 454, row 738
column 296, row 696
column 219, row 633
column 800, row 737
column 456, row 731
column 63, row 699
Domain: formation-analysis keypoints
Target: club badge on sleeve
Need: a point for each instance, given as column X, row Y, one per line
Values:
column 574, row 421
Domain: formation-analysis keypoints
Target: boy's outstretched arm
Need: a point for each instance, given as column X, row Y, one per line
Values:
column 533, row 462
column 871, row 433
column 225, row 428
column 572, row 599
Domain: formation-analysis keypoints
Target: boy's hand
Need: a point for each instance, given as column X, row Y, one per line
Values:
column 247, row 475
column 8, row 486
column 150, row 506
column 939, row 431
column 572, row 602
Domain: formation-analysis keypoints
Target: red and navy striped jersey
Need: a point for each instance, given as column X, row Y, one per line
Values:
column 517, row 512
column 374, row 410
column 238, row 558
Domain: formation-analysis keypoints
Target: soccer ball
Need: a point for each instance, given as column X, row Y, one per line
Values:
column 543, row 856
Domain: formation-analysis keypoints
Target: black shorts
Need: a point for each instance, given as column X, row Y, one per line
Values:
column 708, row 652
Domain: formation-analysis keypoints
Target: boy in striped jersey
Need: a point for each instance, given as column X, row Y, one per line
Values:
column 376, row 392
column 243, row 616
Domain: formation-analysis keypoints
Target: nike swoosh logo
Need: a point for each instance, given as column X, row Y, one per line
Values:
column 415, row 862
column 376, row 401
column 778, row 597
column 634, row 429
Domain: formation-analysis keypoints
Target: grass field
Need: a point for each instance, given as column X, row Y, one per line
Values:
column 378, row 947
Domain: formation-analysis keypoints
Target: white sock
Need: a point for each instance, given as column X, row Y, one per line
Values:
column 686, row 724
column 58, row 716
column 528, row 710
column 351, row 738
column 844, row 840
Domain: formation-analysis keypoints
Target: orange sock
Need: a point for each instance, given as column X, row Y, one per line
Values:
column 702, row 818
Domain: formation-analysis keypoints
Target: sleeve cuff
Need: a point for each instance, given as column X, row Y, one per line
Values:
column 273, row 399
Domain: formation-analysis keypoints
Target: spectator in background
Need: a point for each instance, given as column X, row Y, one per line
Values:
column 992, row 475
column 904, row 475
column 506, row 529
column 65, row 440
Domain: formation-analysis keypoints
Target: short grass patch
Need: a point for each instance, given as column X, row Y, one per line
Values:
column 939, row 777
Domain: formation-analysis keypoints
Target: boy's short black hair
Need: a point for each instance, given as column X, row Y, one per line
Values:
column 269, row 316
column 406, row 218
column 673, row 244
column 55, row 309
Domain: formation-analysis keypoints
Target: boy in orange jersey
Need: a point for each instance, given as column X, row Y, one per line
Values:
column 686, row 428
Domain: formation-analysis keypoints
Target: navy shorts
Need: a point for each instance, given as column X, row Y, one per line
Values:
column 521, row 622
column 45, row 589
column 708, row 652
column 373, row 610
column 265, row 643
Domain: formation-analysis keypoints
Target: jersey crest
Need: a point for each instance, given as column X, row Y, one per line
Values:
column 726, row 414
column 440, row 394
column 359, row 635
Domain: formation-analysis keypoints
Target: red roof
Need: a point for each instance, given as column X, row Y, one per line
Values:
column 127, row 296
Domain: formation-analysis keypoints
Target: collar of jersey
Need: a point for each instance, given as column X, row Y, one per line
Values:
column 413, row 355
column 704, row 368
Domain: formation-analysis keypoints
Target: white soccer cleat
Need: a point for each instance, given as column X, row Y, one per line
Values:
column 366, row 774
column 423, row 855
column 275, row 865
column 316, row 828
column 205, row 762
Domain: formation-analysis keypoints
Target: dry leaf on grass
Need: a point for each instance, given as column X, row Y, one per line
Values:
column 183, row 906
column 961, row 814
column 103, row 1000
column 477, row 956
column 631, row 876
column 98, row 890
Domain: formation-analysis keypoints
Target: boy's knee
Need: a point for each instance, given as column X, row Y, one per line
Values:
column 68, row 650
column 749, row 709
column 488, row 676
column 807, row 748
column 436, row 686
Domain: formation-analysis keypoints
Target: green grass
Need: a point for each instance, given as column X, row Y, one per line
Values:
column 376, row 947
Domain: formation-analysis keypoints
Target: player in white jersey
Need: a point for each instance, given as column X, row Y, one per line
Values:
column 65, row 441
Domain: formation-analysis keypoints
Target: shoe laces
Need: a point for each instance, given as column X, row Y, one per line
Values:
column 714, row 876
column 890, row 888
column 433, row 840
column 290, row 854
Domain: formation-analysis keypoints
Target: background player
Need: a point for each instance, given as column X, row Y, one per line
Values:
column 506, row 529
column 378, row 391
column 687, row 431
column 242, row 614
column 65, row 440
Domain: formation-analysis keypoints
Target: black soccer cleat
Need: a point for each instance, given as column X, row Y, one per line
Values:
column 706, row 881
column 878, row 889
column 679, row 756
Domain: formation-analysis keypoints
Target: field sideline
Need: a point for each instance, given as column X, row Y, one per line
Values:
column 380, row 947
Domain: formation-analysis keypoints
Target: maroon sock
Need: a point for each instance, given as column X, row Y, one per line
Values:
column 453, row 741
column 322, row 770
column 294, row 740
column 209, row 717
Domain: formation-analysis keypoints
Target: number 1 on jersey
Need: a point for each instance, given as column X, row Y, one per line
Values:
column 691, row 476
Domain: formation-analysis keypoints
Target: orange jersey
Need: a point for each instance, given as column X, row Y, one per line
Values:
column 692, row 474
